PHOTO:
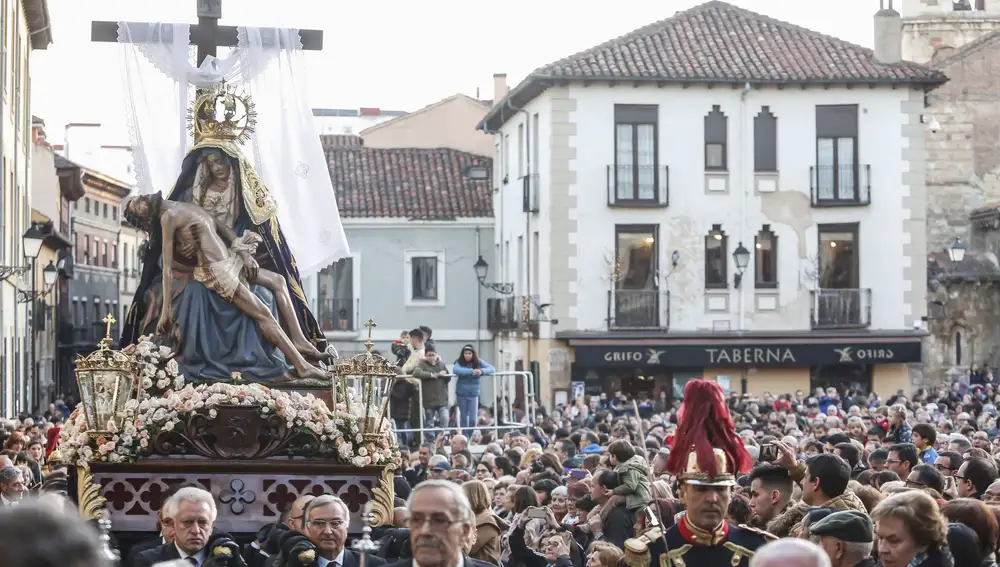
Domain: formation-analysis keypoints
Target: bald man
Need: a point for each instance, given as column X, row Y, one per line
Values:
column 790, row 553
column 5, row 462
column 295, row 518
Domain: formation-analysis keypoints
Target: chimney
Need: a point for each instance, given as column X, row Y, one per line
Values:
column 499, row 87
column 888, row 34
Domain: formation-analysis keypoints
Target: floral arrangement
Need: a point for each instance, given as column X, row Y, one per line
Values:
column 166, row 401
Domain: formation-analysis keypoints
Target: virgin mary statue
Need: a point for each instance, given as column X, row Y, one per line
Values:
column 214, row 338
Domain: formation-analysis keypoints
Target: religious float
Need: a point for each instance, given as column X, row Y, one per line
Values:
column 230, row 385
column 141, row 427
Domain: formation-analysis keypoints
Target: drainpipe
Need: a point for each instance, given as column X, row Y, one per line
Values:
column 479, row 300
column 18, row 388
column 3, row 207
column 527, row 244
column 745, row 189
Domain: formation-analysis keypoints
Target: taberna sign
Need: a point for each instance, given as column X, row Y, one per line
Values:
column 688, row 355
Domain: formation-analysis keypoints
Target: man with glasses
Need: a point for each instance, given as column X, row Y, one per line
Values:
column 12, row 487
column 326, row 521
column 902, row 459
column 974, row 477
column 441, row 525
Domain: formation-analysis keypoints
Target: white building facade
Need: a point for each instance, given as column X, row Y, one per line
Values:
column 623, row 201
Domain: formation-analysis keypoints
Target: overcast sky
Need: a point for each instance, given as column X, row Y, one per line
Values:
column 391, row 54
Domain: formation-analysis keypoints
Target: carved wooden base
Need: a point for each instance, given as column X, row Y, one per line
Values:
column 248, row 494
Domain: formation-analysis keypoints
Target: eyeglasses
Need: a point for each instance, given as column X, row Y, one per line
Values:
column 943, row 468
column 435, row 522
column 892, row 461
column 915, row 484
column 323, row 524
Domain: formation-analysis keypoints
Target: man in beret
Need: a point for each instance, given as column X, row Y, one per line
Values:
column 846, row 537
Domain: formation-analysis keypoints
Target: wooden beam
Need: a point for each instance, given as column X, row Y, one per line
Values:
column 226, row 36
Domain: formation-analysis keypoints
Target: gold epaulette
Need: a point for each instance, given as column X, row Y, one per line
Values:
column 764, row 534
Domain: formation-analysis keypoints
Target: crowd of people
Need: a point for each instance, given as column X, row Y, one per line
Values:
column 827, row 479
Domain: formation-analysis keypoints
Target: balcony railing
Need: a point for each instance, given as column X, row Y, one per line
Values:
column 503, row 313
column 841, row 308
column 338, row 314
column 638, row 186
column 638, row 309
column 844, row 185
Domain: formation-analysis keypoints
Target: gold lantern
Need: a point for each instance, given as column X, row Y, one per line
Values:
column 364, row 383
column 107, row 381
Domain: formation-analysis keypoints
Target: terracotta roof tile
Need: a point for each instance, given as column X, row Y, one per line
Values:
column 717, row 42
column 341, row 141
column 419, row 184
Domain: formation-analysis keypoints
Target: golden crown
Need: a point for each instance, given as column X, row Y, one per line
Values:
column 222, row 114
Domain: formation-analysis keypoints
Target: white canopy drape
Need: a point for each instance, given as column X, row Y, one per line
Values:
column 285, row 148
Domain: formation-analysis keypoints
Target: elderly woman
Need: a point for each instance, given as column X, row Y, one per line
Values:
column 603, row 554
column 488, row 525
column 911, row 531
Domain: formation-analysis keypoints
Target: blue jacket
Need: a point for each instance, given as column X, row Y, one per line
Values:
column 467, row 385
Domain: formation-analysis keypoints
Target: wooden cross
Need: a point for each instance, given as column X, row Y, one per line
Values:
column 109, row 320
column 208, row 35
column 370, row 325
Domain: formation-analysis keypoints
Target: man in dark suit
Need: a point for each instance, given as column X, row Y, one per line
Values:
column 326, row 520
column 165, row 519
column 441, row 525
column 193, row 511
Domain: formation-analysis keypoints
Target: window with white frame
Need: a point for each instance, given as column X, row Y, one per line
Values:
column 424, row 277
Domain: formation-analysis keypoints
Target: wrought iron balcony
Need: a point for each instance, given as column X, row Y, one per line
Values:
column 86, row 333
column 844, row 185
column 638, row 186
column 338, row 314
column 638, row 309
column 503, row 313
column 841, row 308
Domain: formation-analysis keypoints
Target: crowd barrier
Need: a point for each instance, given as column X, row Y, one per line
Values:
column 504, row 386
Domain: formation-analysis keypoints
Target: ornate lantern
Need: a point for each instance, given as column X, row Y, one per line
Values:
column 363, row 385
column 107, row 381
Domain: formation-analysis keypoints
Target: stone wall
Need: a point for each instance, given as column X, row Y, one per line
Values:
column 964, row 154
column 968, row 315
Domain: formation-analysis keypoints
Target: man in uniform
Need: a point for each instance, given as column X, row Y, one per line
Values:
column 706, row 458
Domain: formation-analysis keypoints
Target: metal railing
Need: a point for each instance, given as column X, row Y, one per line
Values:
column 504, row 389
column 841, row 308
column 843, row 185
column 638, row 309
column 503, row 313
column 338, row 314
column 638, row 185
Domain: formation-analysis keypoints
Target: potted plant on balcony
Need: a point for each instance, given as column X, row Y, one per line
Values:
column 345, row 323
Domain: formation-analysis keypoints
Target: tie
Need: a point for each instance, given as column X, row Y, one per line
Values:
column 192, row 561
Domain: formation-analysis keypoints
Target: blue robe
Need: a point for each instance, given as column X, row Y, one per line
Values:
column 217, row 339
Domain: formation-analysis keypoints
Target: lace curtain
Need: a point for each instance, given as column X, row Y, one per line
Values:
column 159, row 79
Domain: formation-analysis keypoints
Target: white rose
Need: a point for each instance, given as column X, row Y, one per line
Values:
column 163, row 384
column 168, row 426
column 213, row 414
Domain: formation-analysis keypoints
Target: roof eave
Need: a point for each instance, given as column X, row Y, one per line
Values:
column 535, row 84
column 39, row 23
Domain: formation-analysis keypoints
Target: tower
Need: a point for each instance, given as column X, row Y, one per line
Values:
column 934, row 29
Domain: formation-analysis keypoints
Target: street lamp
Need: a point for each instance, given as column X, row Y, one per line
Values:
column 32, row 241
column 482, row 268
column 957, row 251
column 741, row 256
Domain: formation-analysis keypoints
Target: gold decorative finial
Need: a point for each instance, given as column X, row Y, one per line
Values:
column 370, row 324
column 108, row 320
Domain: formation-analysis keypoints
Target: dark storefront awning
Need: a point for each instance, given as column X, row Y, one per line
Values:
column 747, row 350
